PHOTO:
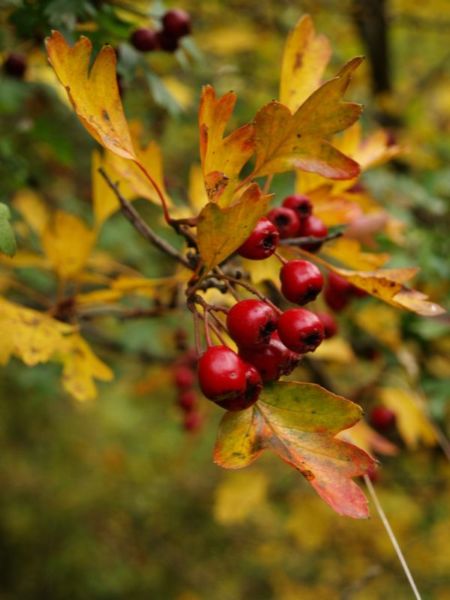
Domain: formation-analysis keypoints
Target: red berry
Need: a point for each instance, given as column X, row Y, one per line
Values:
column 337, row 292
column 312, row 226
column 251, row 322
column 144, row 39
column 301, row 281
column 382, row 418
column 15, row 65
column 373, row 473
column 177, row 23
column 251, row 394
column 300, row 330
column 221, row 373
column 300, row 204
column 358, row 292
column 262, row 242
column 330, row 326
column 166, row 42
column 192, row 421
column 187, row 400
column 184, row 378
column 272, row 360
column 285, row 220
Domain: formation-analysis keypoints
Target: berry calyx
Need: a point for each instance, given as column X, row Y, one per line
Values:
column 221, row 373
column 262, row 242
column 285, row 220
column 272, row 360
column 300, row 330
column 15, row 65
column 314, row 227
column 300, row 204
column 330, row 326
column 187, row 400
column 301, row 281
column 177, row 23
column 382, row 418
column 144, row 39
column 184, row 378
column 250, row 396
column 251, row 322
column 338, row 292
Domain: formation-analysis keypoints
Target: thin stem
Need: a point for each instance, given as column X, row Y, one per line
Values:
column 311, row 239
column 267, row 184
column 251, row 289
column 198, row 344
column 141, row 226
column 157, row 190
column 282, row 260
column 392, row 537
column 207, row 332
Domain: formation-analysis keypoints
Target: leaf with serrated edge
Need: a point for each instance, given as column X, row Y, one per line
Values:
column 299, row 421
column 286, row 141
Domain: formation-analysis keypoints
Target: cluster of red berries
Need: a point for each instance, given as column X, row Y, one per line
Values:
column 339, row 292
column 293, row 219
column 184, row 380
column 15, row 65
column 176, row 23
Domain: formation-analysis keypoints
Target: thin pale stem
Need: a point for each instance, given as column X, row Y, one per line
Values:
column 157, row 190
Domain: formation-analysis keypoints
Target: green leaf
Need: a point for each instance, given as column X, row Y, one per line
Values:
column 7, row 239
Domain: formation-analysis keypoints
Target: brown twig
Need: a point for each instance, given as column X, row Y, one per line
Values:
column 300, row 241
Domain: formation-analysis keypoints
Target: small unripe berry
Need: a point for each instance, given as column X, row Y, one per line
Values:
column 301, row 281
column 184, row 378
column 177, row 23
column 300, row 330
column 15, row 65
column 221, row 373
column 187, row 400
column 272, row 360
column 250, row 396
column 315, row 227
column 337, row 292
column 300, row 204
column 144, row 39
column 262, row 242
column 285, row 220
column 251, row 322
column 382, row 418
column 330, row 326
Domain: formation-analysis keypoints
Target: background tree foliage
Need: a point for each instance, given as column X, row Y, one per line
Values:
column 111, row 498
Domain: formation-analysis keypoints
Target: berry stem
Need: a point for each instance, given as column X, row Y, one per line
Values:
column 198, row 345
column 282, row 260
column 207, row 331
column 157, row 190
column 251, row 289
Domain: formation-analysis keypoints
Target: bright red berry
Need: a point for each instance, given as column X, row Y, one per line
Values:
column 15, row 65
column 314, row 227
column 250, row 396
column 262, row 242
column 285, row 220
column 337, row 292
column 301, row 281
column 251, row 322
column 330, row 326
column 300, row 204
column 144, row 39
column 192, row 421
column 184, row 377
column 177, row 23
column 300, row 330
column 382, row 418
column 272, row 360
column 221, row 373
column 187, row 400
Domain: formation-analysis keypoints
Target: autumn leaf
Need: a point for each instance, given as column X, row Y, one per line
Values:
column 240, row 496
column 222, row 157
column 299, row 421
column 33, row 209
column 363, row 436
column 287, row 141
column 221, row 231
column 305, row 58
column 95, row 94
column 349, row 253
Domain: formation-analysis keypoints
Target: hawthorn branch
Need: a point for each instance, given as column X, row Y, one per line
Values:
column 311, row 239
column 131, row 214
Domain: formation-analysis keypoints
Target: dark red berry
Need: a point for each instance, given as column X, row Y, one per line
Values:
column 330, row 326
column 184, row 378
column 221, row 373
column 373, row 473
column 312, row 227
column 300, row 204
column 187, row 400
column 144, row 39
column 177, row 23
column 251, row 394
column 192, row 421
column 251, row 322
column 166, row 41
column 262, row 242
column 337, row 292
column 358, row 292
column 301, row 281
column 15, row 65
column 300, row 330
column 382, row 418
column 285, row 220
column 272, row 360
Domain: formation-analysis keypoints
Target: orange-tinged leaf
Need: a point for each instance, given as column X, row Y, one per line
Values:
column 95, row 94
column 221, row 156
column 67, row 242
column 299, row 421
column 221, row 231
column 305, row 58
column 287, row 141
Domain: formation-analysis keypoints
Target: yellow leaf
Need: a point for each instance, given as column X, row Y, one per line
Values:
column 221, row 231
column 287, row 141
column 98, row 297
column 32, row 208
column 305, row 58
column 67, row 242
column 349, row 253
column 382, row 322
column 81, row 367
column 197, row 193
column 222, row 157
column 181, row 92
column 263, row 270
column 239, row 496
column 335, row 349
column 412, row 421
column 95, row 94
